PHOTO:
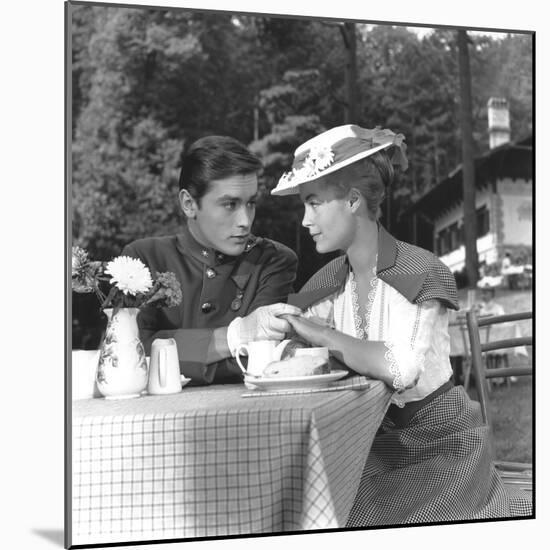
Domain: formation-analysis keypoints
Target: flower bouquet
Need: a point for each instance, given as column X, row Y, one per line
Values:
column 122, row 369
column 131, row 282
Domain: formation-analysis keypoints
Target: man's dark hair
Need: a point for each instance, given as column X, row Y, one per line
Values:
column 213, row 158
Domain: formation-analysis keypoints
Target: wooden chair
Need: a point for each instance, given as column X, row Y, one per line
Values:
column 513, row 474
column 460, row 323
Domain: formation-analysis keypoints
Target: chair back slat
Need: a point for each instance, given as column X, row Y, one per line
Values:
column 507, row 317
column 507, row 343
column 508, row 371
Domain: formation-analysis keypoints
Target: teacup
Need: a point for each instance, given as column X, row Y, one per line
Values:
column 260, row 354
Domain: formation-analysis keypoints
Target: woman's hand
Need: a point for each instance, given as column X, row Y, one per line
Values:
column 315, row 333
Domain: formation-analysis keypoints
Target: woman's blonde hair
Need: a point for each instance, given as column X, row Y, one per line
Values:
column 371, row 176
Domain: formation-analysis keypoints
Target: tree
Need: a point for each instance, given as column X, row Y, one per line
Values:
column 468, row 168
column 146, row 82
column 281, row 217
column 350, row 43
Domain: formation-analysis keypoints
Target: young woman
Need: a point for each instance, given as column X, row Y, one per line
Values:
column 382, row 309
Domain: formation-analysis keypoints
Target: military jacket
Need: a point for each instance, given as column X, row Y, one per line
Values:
column 216, row 288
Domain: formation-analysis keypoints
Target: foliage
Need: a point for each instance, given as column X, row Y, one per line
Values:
column 146, row 82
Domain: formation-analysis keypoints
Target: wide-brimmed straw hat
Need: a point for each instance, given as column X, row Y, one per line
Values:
column 335, row 149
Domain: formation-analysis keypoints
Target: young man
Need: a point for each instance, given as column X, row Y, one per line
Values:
column 233, row 283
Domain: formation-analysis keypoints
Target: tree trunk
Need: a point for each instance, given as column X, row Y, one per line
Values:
column 350, row 42
column 468, row 169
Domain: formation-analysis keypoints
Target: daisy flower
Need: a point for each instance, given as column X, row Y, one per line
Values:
column 322, row 157
column 129, row 275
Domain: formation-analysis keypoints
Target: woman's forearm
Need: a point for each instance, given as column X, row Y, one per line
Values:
column 363, row 356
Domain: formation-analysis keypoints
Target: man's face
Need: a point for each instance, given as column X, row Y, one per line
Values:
column 226, row 212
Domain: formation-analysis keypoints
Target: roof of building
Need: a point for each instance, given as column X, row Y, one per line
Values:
column 510, row 160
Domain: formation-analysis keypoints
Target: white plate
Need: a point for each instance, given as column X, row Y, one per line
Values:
column 312, row 381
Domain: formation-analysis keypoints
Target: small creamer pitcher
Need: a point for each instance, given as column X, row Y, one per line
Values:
column 164, row 367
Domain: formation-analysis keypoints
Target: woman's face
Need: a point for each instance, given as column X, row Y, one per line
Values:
column 329, row 220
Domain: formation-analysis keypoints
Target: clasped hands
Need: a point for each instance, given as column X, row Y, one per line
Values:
column 275, row 322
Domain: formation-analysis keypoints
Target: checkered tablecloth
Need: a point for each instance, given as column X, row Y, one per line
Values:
column 208, row 462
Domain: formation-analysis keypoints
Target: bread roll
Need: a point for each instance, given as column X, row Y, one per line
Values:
column 297, row 366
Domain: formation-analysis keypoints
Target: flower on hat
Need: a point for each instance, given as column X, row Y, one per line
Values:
column 321, row 157
column 317, row 160
column 129, row 275
column 286, row 178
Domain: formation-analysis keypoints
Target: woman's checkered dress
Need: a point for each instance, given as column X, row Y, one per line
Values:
column 436, row 468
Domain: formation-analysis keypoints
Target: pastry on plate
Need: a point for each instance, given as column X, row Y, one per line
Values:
column 306, row 365
column 292, row 345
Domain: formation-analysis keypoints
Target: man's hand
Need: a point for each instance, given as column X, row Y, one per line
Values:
column 264, row 323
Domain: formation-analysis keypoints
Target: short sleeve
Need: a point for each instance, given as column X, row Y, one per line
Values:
column 409, row 340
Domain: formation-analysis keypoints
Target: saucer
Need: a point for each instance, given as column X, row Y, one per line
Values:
column 275, row 383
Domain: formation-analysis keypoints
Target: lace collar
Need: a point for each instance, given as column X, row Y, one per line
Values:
column 362, row 323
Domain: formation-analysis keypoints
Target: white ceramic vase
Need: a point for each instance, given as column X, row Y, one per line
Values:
column 122, row 370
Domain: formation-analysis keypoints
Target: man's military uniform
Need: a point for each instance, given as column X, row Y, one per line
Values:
column 216, row 288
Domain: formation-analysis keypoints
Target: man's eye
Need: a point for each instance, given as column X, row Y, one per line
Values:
column 252, row 204
column 231, row 205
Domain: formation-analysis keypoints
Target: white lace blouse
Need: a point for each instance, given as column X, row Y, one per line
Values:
column 416, row 335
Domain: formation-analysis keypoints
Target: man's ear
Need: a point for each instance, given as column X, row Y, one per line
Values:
column 188, row 204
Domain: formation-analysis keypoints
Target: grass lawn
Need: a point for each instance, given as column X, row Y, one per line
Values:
column 511, row 419
column 511, row 406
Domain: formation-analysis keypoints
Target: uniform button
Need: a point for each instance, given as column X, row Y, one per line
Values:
column 204, row 253
column 237, row 302
column 210, row 273
column 219, row 257
column 207, row 307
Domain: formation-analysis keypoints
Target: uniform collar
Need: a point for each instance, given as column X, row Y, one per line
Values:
column 187, row 244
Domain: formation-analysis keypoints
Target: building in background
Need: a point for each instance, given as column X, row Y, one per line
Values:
column 504, row 188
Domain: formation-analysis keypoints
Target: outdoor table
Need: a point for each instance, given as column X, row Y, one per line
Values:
column 210, row 462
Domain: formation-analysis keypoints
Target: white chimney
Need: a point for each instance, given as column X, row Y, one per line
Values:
column 498, row 114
